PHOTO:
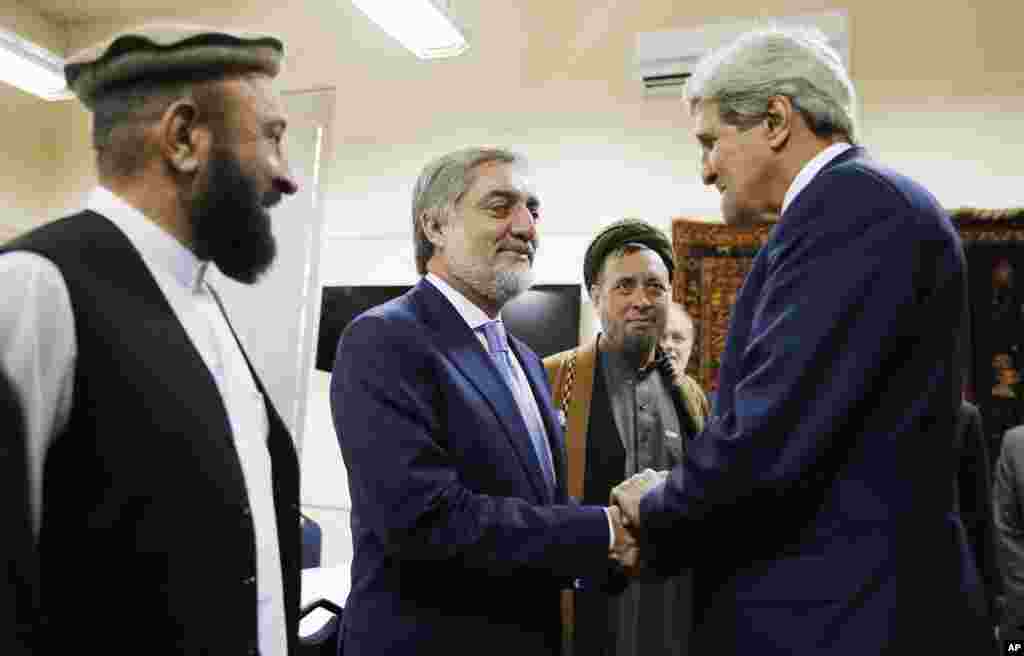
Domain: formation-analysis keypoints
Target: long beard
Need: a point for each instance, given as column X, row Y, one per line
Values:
column 637, row 348
column 230, row 221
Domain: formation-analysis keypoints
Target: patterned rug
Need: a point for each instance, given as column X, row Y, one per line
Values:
column 712, row 260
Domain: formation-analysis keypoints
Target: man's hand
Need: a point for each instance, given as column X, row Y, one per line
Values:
column 627, row 495
column 625, row 551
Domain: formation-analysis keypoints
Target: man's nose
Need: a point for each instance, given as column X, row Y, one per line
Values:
column 707, row 171
column 640, row 298
column 284, row 180
column 524, row 224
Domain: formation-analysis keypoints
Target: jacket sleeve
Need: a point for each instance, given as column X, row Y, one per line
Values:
column 1009, row 527
column 975, row 487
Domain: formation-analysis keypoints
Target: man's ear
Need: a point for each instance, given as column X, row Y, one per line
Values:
column 778, row 124
column 182, row 138
column 433, row 228
column 595, row 294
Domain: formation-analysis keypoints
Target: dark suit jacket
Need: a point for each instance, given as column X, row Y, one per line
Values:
column 459, row 546
column 972, row 499
column 18, row 561
column 842, row 366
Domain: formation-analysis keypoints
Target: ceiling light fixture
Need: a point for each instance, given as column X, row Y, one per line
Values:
column 31, row 68
column 422, row 26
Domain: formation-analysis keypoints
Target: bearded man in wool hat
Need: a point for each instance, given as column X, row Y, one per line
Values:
column 627, row 407
column 166, row 514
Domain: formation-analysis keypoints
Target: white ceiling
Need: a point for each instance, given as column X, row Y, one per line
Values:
column 82, row 11
column 328, row 42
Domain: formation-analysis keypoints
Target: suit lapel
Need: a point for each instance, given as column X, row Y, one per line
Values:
column 468, row 355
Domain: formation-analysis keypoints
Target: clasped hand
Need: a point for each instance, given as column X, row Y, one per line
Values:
column 625, row 515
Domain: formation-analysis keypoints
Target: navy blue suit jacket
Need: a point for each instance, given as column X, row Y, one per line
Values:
column 460, row 547
column 820, row 489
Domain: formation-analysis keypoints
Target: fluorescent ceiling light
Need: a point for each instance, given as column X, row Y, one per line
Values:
column 31, row 68
column 419, row 25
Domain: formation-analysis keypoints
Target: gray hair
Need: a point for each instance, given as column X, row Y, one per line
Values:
column 797, row 63
column 442, row 184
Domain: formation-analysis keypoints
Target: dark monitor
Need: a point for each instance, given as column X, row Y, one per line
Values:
column 547, row 317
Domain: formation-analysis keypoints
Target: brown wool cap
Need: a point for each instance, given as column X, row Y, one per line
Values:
column 620, row 233
column 162, row 50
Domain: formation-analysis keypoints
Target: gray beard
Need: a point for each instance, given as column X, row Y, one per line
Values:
column 500, row 287
column 509, row 284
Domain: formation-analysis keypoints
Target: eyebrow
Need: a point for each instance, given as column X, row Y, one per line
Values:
column 512, row 196
column 276, row 123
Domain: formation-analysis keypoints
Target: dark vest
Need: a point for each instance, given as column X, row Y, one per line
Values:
column 18, row 571
column 606, row 457
column 147, row 543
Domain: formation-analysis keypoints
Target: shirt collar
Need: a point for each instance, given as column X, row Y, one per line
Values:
column 811, row 169
column 158, row 247
column 470, row 313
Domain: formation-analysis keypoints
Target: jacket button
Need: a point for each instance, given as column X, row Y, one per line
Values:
column 246, row 511
column 249, row 580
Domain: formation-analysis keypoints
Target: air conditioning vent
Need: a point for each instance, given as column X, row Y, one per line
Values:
column 671, row 81
column 664, row 60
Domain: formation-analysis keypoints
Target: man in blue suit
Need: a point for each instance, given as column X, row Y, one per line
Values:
column 463, row 531
column 829, row 533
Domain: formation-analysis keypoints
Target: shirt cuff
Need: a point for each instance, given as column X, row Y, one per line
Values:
column 611, row 529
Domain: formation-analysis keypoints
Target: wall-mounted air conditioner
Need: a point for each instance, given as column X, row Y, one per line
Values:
column 663, row 60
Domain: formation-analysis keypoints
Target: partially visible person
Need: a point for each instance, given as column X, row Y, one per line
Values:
column 1004, row 408
column 19, row 595
column 628, row 407
column 677, row 341
column 843, row 365
column 1008, row 511
column 463, row 531
column 167, row 509
column 972, row 501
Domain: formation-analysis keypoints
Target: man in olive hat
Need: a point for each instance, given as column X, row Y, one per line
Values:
column 627, row 407
column 166, row 515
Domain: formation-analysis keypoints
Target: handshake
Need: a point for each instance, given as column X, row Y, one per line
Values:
column 625, row 516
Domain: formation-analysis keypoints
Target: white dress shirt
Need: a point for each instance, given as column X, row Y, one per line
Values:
column 475, row 318
column 38, row 350
column 811, row 169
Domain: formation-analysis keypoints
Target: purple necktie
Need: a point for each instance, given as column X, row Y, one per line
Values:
column 497, row 343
